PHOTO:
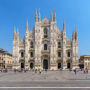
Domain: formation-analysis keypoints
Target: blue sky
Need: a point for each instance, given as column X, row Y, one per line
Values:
column 76, row 13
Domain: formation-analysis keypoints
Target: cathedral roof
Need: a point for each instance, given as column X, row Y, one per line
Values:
column 44, row 21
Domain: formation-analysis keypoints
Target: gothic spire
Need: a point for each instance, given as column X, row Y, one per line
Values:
column 54, row 19
column 73, row 35
column 39, row 16
column 17, row 29
column 76, row 36
column 14, row 35
column 36, row 16
column 27, row 24
column 17, row 33
column 51, row 19
column 63, row 26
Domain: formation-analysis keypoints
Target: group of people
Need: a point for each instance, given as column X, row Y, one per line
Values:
column 85, row 70
column 3, row 70
column 38, row 70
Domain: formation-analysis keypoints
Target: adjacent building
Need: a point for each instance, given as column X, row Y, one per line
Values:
column 1, row 58
column 84, row 61
column 5, row 59
column 45, row 46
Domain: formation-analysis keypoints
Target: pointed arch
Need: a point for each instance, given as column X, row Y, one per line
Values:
column 45, row 32
column 45, row 46
column 31, row 44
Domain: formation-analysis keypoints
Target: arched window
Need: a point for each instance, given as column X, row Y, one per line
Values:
column 59, row 45
column 31, row 65
column 22, row 54
column 31, row 44
column 45, row 46
column 59, row 54
column 45, row 33
column 68, row 54
column 31, row 54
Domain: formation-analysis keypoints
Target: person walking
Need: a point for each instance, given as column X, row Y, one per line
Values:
column 15, row 70
column 87, row 70
column 84, row 70
column 40, row 71
column 35, row 70
column 75, row 71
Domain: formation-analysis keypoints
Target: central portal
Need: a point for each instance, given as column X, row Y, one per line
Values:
column 45, row 64
column 31, row 65
column 22, row 65
column 68, row 66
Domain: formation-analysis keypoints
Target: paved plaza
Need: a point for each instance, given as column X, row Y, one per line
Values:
column 49, row 79
column 44, row 76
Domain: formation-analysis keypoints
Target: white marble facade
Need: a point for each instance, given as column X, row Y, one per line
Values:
column 45, row 46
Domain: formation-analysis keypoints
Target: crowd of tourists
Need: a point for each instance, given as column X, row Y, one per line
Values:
column 23, row 70
column 85, row 70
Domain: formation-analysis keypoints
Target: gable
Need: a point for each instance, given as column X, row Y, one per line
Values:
column 45, row 21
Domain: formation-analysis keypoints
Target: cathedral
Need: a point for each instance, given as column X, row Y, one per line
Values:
column 45, row 46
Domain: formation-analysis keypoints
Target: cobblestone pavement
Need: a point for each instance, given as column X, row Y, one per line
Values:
column 44, row 76
column 45, row 79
